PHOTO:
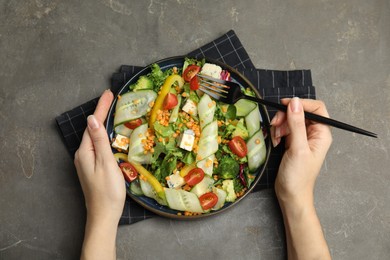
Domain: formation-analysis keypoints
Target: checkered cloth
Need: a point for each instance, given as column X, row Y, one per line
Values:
column 272, row 85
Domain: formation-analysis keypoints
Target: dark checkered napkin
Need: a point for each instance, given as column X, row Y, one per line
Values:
column 272, row 85
column 73, row 123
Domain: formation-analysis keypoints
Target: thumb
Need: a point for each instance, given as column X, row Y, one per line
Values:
column 297, row 125
column 99, row 138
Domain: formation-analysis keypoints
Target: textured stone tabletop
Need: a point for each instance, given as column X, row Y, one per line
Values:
column 56, row 55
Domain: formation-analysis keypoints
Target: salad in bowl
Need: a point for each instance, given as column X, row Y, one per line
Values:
column 182, row 153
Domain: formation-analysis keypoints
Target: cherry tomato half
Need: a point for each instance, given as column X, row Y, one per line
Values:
column 194, row 83
column 190, row 72
column 170, row 101
column 129, row 172
column 133, row 124
column 195, row 176
column 208, row 200
column 238, row 146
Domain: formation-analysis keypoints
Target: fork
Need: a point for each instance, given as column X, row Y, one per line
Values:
column 230, row 92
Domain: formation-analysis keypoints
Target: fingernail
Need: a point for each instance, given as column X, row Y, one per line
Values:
column 92, row 122
column 106, row 91
column 296, row 106
column 277, row 132
column 274, row 119
column 275, row 141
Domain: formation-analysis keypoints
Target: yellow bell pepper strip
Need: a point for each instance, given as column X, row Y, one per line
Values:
column 163, row 92
column 145, row 173
column 151, row 179
column 120, row 156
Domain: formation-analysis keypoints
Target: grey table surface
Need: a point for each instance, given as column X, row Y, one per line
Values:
column 56, row 55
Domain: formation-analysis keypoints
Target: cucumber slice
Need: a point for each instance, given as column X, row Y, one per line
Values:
column 140, row 159
column 256, row 151
column 123, row 130
column 135, row 188
column 207, row 165
column 133, row 105
column 148, row 191
column 136, row 148
column 174, row 199
column 191, row 202
column 208, row 143
column 175, row 111
column 244, row 106
column 203, row 187
column 252, row 121
column 221, row 194
column 206, row 109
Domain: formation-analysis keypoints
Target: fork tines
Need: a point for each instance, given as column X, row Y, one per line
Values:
column 213, row 87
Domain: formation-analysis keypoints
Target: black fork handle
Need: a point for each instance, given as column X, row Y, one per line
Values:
column 316, row 118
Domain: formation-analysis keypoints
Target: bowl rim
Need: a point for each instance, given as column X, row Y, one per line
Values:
column 142, row 200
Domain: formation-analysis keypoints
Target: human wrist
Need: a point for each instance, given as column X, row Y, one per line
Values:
column 100, row 237
column 294, row 203
column 106, row 220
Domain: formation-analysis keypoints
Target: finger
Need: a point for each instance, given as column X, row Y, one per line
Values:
column 278, row 118
column 86, row 149
column 99, row 138
column 277, row 132
column 103, row 106
column 275, row 141
column 310, row 105
column 296, row 124
column 313, row 106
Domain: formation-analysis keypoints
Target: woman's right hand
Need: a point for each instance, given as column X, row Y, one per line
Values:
column 306, row 146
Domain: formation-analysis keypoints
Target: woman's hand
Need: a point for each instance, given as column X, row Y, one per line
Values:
column 102, row 183
column 306, row 146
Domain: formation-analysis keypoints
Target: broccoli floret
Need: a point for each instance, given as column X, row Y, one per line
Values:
column 228, row 168
column 142, row 83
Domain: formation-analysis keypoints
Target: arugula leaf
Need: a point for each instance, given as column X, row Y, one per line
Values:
column 163, row 131
column 237, row 185
column 191, row 61
column 231, row 112
column 158, row 150
column 170, row 146
column 194, row 97
column 249, row 92
column 248, row 177
column 189, row 158
column 218, row 182
column 225, row 148
column 158, row 76
column 186, row 87
column 167, row 167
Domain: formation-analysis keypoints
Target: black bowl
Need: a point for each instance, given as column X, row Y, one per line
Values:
column 178, row 62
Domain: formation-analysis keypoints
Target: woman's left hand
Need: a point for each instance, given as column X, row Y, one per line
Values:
column 100, row 177
column 102, row 183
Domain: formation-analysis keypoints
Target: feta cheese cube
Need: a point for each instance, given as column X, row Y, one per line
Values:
column 121, row 142
column 175, row 180
column 190, row 107
column 187, row 140
column 211, row 70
